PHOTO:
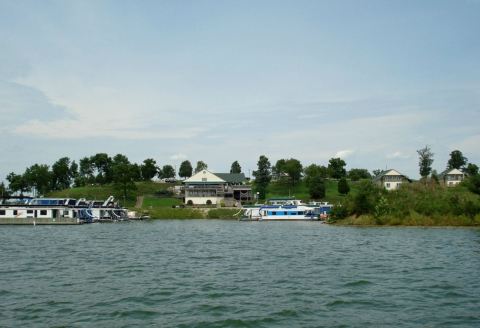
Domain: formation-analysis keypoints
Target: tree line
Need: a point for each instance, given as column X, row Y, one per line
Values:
column 102, row 169
column 98, row 169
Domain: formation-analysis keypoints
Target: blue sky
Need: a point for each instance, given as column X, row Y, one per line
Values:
column 218, row 81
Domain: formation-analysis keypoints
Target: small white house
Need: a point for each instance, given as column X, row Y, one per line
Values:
column 452, row 177
column 391, row 179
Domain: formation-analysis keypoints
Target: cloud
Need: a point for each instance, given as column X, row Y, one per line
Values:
column 344, row 153
column 179, row 156
column 116, row 129
column 398, row 155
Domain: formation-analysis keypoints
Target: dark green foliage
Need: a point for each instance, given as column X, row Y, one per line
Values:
column 343, row 187
column 39, row 177
column 149, row 169
column 288, row 169
column 235, row 168
column 473, row 184
column 339, row 212
column 124, row 175
column 86, row 172
column 102, row 163
column 262, row 175
column 164, row 193
column 185, row 170
column 61, row 176
column 336, row 168
column 457, row 160
column 358, row 174
column 314, row 170
column 365, row 200
column 316, row 187
column 167, row 172
column 17, row 183
column 3, row 190
column 425, row 161
column 201, row 165
column 471, row 169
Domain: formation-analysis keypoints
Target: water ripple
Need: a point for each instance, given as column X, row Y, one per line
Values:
column 231, row 274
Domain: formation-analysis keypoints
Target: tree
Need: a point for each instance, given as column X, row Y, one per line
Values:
column 168, row 172
column 343, row 187
column 124, row 175
column 103, row 165
column 17, row 183
column 185, row 170
column 376, row 172
column 262, row 175
column 314, row 170
column 201, row 166
column 73, row 170
column 278, row 169
column 357, row 174
column 87, row 169
column 336, row 168
column 471, row 169
column 425, row 161
column 136, row 172
column 61, row 176
column 149, row 169
column 457, row 160
column 236, row 168
column 473, row 184
column 293, row 168
column 316, row 187
column 3, row 190
column 39, row 177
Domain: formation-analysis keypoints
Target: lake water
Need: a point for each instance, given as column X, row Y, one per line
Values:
column 198, row 273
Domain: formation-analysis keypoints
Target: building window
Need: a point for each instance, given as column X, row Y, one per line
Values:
column 204, row 179
column 387, row 185
column 43, row 212
column 2, row 212
column 15, row 212
column 29, row 211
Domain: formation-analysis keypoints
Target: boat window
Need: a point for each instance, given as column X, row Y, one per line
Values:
column 293, row 213
column 43, row 212
column 285, row 213
column 2, row 212
column 300, row 213
column 274, row 213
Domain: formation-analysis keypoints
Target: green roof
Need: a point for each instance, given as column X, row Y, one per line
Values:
column 231, row 177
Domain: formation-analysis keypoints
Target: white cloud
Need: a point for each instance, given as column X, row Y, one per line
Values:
column 117, row 129
column 344, row 153
column 398, row 155
column 178, row 156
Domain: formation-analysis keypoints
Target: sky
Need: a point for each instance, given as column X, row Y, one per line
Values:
column 368, row 81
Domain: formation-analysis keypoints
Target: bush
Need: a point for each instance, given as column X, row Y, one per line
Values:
column 343, row 187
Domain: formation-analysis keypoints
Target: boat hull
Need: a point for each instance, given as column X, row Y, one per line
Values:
column 40, row 221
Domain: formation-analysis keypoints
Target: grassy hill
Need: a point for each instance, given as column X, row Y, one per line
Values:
column 300, row 191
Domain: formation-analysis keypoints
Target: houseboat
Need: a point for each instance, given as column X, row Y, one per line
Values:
column 59, row 211
column 283, row 209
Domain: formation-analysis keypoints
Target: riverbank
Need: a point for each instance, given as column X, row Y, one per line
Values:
column 161, row 213
column 414, row 219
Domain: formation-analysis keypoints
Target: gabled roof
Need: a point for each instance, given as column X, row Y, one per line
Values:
column 207, row 177
column 231, row 177
column 451, row 171
column 390, row 173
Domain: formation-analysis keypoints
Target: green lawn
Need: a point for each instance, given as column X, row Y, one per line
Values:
column 150, row 202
